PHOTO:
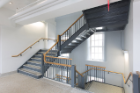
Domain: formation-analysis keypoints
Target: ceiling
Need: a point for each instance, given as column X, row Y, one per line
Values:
column 17, row 4
column 39, row 12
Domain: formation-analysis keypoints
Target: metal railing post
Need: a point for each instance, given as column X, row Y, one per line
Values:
column 73, row 76
column 136, row 83
column 42, row 65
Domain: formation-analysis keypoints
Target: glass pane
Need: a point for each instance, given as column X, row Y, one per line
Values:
column 96, row 37
column 100, row 43
column 92, row 37
column 96, row 50
column 92, row 43
column 96, row 43
column 96, row 56
column 100, row 36
column 92, row 50
column 100, row 57
column 100, row 50
column 92, row 57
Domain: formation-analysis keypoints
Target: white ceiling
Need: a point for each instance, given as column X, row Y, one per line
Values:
column 17, row 4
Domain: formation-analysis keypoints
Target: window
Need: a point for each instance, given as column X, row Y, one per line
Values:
column 97, row 47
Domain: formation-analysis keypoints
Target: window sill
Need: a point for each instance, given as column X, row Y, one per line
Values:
column 96, row 60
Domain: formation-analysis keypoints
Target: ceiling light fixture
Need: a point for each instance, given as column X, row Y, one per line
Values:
column 99, row 28
column 10, row 3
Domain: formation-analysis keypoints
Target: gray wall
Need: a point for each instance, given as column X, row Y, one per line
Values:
column 127, row 35
column 63, row 22
column 114, row 59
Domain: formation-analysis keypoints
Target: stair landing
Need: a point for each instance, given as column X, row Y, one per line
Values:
column 97, row 87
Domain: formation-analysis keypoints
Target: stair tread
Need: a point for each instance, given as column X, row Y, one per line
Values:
column 48, row 53
column 32, row 66
column 30, row 71
column 36, row 62
column 36, row 58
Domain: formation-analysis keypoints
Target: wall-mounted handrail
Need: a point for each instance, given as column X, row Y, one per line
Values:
column 32, row 45
column 95, row 66
column 72, row 24
column 125, row 80
column 78, row 72
column 130, row 74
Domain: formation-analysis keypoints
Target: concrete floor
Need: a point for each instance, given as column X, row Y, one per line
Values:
column 97, row 87
column 18, row 83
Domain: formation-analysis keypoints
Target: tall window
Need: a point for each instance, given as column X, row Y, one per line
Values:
column 97, row 47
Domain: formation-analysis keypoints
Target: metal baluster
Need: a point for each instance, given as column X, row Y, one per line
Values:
column 79, row 23
column 53, row 72
column 47, row 70
column 87, row 74
column 65, row 36
column 96, row 73
column 104, row 75
column 75, row 27
column 90, row 74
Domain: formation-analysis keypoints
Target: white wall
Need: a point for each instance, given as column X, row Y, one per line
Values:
column 16, row 39
column 136, row 36
column 50, row 32
column 114, row 59
column 0, row 53
column 127, row 36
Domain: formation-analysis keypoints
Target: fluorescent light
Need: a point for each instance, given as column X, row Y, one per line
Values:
column 99, row 28
column 38, row 24
column 126, row 56
column 10, row 3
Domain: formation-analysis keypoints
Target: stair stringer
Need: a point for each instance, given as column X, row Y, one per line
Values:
column 85, row 27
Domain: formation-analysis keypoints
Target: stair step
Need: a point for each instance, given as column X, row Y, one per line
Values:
column 35, row 62
column 75, row 41
column 35, row 73
column 79, row 39
column 69, row 46
column 44, row 49
column 72, row 44
column 48, row 53
column 36, row 58
column 32, row 66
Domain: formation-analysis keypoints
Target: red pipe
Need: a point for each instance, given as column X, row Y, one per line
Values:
column 108, row 4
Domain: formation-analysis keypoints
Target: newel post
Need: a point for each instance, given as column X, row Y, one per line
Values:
column 42, row 65
column 73, row 76
column 59, row 44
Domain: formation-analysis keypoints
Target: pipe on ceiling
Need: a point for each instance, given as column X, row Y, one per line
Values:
column 3, row 2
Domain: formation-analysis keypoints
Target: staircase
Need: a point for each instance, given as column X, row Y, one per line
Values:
column 77, row 33
column 34, row 67
column 86, row 25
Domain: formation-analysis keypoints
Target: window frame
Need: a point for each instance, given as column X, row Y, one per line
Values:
column 103, row 48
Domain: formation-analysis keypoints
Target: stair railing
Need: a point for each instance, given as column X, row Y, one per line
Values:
column 58, row 64
column 81, row 80
column 97, row 73
column 73, row 28
column 20, row 54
